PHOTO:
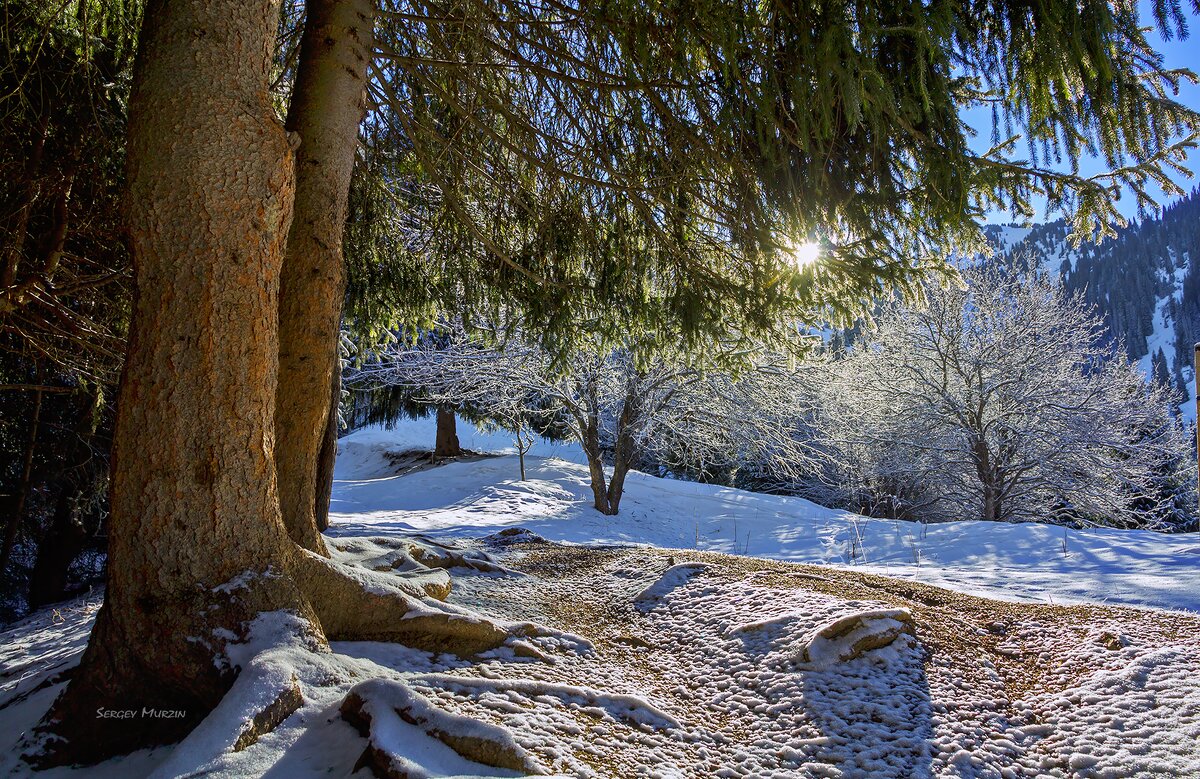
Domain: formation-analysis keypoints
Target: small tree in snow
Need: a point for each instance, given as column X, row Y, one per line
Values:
column 1000, row 401
column 617, row 406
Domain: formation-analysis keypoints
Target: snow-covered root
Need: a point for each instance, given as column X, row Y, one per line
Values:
column 422, row 563
column 268, row 663
column 263, row 696
column 632, row 710
column 386, row 555
column 281, row 668
column 356, row 604
column 382, row 708
column 279, row 656
column 282, row 656
column 434, row 554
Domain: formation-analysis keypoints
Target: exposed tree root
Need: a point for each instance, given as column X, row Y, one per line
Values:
column 287, row 701
column 266, row 692
column 376, row 707
column 420, row 555
column 324, row 600
column 118, row 701
column 393, row 557
column 354, row 604
column 629, row 710
column 434, row 555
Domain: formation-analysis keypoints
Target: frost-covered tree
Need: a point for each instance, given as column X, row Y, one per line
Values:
column 622, row 407
column 1000, row 401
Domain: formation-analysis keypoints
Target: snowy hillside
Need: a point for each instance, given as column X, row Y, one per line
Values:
column 1031, row 562
column 1144, row 282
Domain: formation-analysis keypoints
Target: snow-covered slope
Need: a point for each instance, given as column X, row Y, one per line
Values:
column 631, row 662
column 1031, row 562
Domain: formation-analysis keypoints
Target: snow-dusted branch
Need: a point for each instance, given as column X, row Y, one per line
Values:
column 624, row 410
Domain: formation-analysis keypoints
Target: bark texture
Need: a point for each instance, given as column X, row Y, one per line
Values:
column 326, row 110
column 194, row 503
column 446, row 443
column 198, row 548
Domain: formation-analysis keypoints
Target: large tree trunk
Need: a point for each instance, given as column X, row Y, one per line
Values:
column 194, row 502
column 446, row 443
column 197, row 546
column 326, row 110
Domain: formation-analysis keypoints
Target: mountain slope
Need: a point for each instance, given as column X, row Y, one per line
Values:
column 1145, row 283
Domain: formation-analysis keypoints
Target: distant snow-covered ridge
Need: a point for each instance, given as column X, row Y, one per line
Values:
column 1144, row 282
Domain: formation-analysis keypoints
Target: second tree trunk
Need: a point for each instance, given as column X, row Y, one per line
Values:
column 326, row 109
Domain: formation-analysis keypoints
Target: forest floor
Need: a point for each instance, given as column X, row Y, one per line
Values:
column 663, row 663
column 689, row 662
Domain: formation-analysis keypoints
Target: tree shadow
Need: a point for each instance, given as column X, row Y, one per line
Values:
column 871, row 716
column 874, row 713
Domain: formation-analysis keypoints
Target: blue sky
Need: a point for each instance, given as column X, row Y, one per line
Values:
column 1176, row 54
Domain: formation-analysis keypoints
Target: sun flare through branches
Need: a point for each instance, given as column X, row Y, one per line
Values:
column 805, row 253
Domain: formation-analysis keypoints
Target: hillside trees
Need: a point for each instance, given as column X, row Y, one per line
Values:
column 574, row 153
column 1002, row 401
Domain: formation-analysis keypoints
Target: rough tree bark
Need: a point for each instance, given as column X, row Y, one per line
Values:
column 446, row 443
column 326, row 110
column 197, row 545
column 194, row 503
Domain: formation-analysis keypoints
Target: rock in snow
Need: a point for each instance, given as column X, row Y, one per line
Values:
column 845, row 638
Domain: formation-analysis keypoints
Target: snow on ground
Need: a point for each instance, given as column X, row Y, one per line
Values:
column 627, row 660
column 1029, row 562
column 716, row 666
